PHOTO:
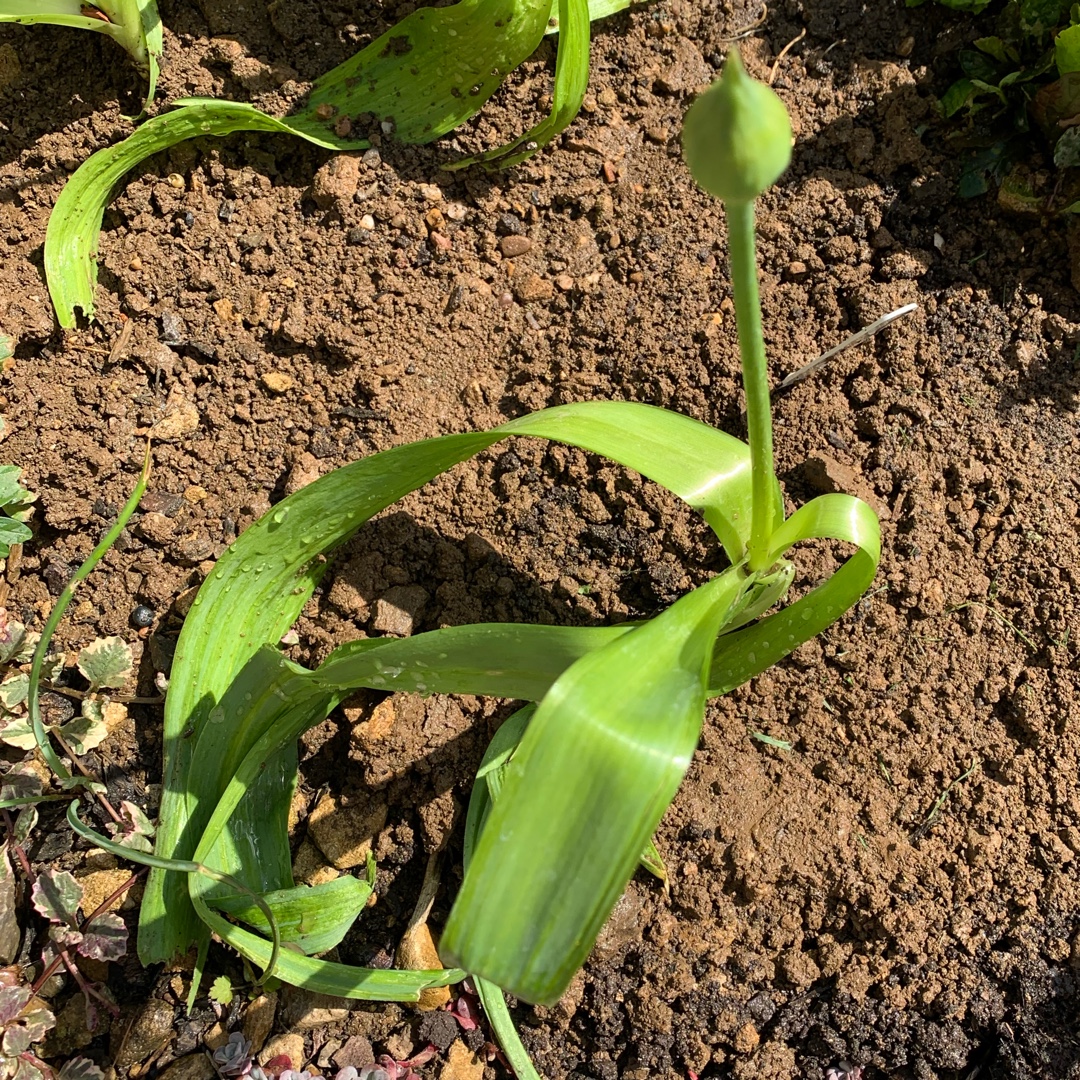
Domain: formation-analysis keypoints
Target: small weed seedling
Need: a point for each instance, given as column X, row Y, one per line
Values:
column 574, row 783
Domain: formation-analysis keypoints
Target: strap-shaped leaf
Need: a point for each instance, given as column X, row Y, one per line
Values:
column 571, row 81
column 320, row 976
column 597, row 767
column 314, row 919
column 260, row 584
column 745, row 653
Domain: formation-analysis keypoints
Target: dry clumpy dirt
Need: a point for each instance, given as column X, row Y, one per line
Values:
column 290, row 311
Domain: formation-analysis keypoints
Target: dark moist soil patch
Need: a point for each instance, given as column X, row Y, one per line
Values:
column 293, row 314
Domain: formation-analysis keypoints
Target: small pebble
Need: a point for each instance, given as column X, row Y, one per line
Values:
column 367, row 222
column 514, row 246
column 142, row 617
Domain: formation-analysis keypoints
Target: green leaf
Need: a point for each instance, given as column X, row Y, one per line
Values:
column 494, row 761
column 71, row 236
column 1067, row 50
column 992, row 46
column 1039, row 16
column 571, row 80
column 608, row 746
column 106, row 662
column 13, row 496
column 956, row 97
column 977, row 65
column 312, row 918
column 652, row 861
column 222, row 991
column 12, row 532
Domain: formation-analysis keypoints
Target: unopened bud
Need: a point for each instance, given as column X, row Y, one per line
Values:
column 737, row 135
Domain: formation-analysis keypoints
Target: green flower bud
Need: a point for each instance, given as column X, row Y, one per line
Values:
column 737, row 135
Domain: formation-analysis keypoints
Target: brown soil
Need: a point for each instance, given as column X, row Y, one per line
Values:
column 818, row 912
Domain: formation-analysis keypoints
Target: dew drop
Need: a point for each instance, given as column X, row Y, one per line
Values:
column 281, row 515
column 217, row 715
column 752, row 657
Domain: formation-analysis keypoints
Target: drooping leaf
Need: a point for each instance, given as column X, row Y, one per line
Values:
column 106, row 662
column 609, row 745
column 571, row 81
column 57, row 896
column 261, row 583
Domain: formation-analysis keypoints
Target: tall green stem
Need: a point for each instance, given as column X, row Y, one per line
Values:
column 740, row 216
